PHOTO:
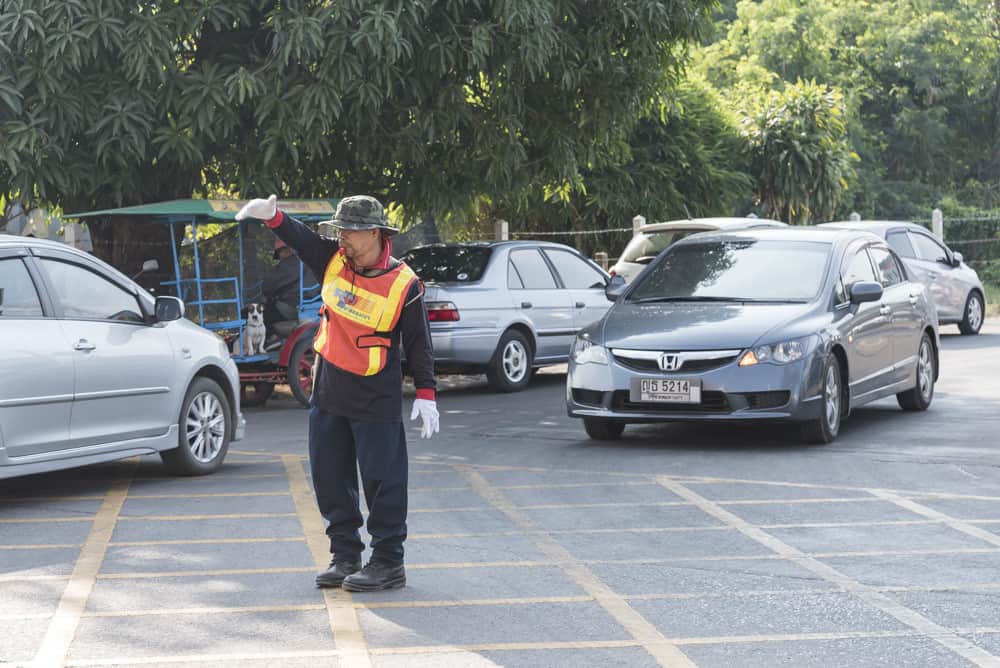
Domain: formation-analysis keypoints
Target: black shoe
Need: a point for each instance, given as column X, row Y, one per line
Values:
column 335, row 574
column 376, row 576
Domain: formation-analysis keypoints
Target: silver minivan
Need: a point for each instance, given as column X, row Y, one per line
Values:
column 506, row 308
column 95, row 369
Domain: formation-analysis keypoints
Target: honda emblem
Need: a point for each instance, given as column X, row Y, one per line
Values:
column 669, row 362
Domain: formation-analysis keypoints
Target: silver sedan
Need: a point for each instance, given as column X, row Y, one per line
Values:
column 95, row 369
column 953, row 285
column 507, row 307
column 793, row 324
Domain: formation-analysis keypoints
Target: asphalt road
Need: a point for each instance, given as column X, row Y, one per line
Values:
column 530, row 545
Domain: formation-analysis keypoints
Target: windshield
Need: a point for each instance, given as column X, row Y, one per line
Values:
column 448, row 264
column 738, row 270
column 647, row 245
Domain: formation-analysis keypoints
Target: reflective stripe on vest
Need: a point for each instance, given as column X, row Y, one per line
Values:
column 359, row 314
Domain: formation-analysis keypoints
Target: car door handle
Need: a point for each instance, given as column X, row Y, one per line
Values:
column 885, row 309
column 84, row 345
column 580, row 305
column 526, row 304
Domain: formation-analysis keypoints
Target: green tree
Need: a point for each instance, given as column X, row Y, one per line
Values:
column 428, row 103
column 800, row 158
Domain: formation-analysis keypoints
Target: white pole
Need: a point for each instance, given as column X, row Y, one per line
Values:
column 855, row 216
column 937, row 223
column 637, row 222
column 502, row 230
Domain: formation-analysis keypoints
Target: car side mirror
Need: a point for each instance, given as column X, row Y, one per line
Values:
column 865, row 291
column 147, row 266
column 169, row 309
column 956, row 259
column 615, row 287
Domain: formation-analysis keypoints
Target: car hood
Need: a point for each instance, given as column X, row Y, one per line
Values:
column 695, row 326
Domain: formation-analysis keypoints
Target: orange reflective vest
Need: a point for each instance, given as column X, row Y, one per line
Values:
column 359, row 314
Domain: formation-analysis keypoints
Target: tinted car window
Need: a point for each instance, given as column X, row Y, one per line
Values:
column 532, row 269
column 647, row 245
column 900, row 242
column 739, row 270
column 87, row 295
column 889, row 272
column 449, row 264
column 18, row 297
column 574, row 271
column 927, row 248
column 859, row 269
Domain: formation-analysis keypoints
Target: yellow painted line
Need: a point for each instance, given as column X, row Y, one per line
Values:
column 850, row 525
column 937, row 516
column 70, row 497
column 187, row 518
column 211, row 610
column 796, row 637
column 62, row 628
column 205, row 541
column 480, row 564
column 205, row 495
column 467, row 509
column 555, row 532
column 571, row 485
column 907, row 553
column 771, row 502
column 439, row 489
column 52, row 546
column 45, row 520
column 946, row 637
column 151, row 575
column 505, row 647
column 570, row 506
column 28, row 577
column 474, row 602
column 347, row 634
column 254, row 453
column 235, row 476
column 634, row 623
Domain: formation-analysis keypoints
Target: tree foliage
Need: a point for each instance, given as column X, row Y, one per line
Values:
column 431, row 103
column 800, row 156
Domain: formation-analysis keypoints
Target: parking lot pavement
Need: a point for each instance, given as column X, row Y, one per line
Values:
column 529, row 545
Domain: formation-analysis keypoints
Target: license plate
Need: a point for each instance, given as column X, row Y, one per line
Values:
column 666, row 390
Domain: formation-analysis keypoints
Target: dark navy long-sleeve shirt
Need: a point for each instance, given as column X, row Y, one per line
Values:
column 378, row 397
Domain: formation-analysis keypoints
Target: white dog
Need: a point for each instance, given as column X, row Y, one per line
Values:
column 255, row 332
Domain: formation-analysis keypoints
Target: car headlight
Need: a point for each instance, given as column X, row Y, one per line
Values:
column 776, row 353
column 586, row 351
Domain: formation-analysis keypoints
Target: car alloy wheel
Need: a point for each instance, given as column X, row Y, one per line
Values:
column 974, row 315
column 925, row 370
column 205, row 427
column 515, row 361
column 832, row 400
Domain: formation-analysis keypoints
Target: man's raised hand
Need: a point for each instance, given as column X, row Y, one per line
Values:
column 261, row 209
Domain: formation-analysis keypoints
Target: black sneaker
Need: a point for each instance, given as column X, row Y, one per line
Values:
column 376, row 576
column 338, row 570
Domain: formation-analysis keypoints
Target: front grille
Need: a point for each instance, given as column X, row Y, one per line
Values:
column 588, row 397
column 711, row 402
column 689, row 366
column 761, row 400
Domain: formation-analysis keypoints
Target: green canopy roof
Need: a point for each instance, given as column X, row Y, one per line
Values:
column 212, row 210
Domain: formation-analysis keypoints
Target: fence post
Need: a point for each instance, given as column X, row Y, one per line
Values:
column 855, row 216
column 637, row 222
column 937, row 223
column 502, row 228
column 601, row 258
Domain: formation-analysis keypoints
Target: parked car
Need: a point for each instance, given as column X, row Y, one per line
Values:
column 652, row 238
column 779, row 324
column 953, row 285
column 507, row 307
column 94, row 369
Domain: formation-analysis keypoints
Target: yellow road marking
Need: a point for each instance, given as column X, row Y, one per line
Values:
column 937, row 516
column 62, row 628
column 204, row 495
column 208, row 610
column 149, row 575
column 205, row 541
column 186, row 518
column 51, row 546
column 347, row 634
column 474, row 602
column 635, row 624
column 946, row 637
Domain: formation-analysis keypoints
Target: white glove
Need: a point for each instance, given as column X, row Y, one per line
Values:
column 429, row 417
column 261, row 209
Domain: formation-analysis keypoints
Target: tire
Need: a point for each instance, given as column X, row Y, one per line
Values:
column 205, row 427
column 824, row 429
column 510, row 368
column 255, row 394
column 300, row 369
column 919, row 397
column 601, row 429
column 975, row 310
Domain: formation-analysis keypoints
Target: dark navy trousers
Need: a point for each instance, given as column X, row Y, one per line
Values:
column 338, row 447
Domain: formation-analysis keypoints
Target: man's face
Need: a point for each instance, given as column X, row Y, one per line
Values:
column 358, row 243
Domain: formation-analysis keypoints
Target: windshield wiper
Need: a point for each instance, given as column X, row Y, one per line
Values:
column 651, row 300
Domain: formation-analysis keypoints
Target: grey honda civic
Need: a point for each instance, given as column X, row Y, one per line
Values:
column 790, row 324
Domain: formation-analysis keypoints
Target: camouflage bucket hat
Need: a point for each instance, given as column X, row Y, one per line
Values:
column 360, row 212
